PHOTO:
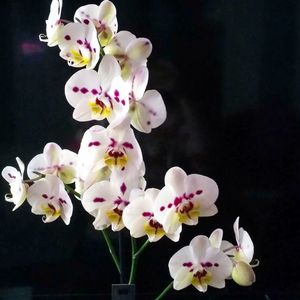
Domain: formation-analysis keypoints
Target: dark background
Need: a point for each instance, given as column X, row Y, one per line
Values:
column 229, row 73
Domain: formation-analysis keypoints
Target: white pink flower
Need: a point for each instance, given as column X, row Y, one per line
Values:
column 199, row 264
column 184, row 199
column 48, row 197
column 56, row 161
column 18, row 189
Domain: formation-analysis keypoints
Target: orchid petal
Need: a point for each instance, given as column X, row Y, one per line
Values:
column 139, row 82
column 216, row 238
column 82, row 86
column 139, row 49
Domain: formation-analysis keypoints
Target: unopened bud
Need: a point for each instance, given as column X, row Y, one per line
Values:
column 243, row 274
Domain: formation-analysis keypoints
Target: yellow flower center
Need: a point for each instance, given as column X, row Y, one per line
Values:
column 201, row 278
column 50, row 210
column 99, row 109
column 77, row 59
column 188, row 210
column 115, row 158
column 153, row 228
column 115, row 217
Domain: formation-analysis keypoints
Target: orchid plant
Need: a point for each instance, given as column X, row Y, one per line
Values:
column 107, row 173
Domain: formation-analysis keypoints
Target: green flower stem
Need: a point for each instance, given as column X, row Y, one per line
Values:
column 135, row 254
column 111, row 249
column 72, row 191
column 34, row 179
column 164, row 292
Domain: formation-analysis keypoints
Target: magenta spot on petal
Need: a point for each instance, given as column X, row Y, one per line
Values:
column 147, row 43
column 51, row 198
column 84, row 90
column 148, row 123
column 118, row 201
column 94, row 91
column 147, row 214
column 123, row 169
column 208, row 264
column 187, row 264
column 75, row 89
column 123, row 188
column 62, row 201
column 80, row 42
column 51, row 206
column 177, row 201
column 117, row 94
column 117, row 99
column 94, row 49
column 11, row 176
column 98, row 200
column 128, row 145
column 170, row 205
column 191, row 195
column 216, row 264
column 96, row 143
column 123, row 102
column 113, row 143
column 45, row 196
column 86, row 21
column 162, row 208
column 199, row 192
column 67, row 37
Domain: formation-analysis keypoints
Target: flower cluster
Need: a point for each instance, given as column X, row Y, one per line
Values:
column 107, row 173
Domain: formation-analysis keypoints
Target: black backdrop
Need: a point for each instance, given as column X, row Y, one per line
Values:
column 229, row 73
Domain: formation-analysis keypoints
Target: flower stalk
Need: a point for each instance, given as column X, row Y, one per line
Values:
column 135, row 254
column 111, row 249
column 164, row 292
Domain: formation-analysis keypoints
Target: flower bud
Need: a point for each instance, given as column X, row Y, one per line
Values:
column 243, row 274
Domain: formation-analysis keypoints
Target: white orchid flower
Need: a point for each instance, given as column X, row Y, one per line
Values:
column 139, row 217
column 184, row 199
column 53, row 25
column 98, row 95
column 106, row 200
column 241, row 255
column 103, row 17
column 56, row 161
column 18, row 189
column 199, row 264
column 79, row 45
column 147, row 109
column 131, row 52
column 244, row 249
column 104, row 149
column 49, row 198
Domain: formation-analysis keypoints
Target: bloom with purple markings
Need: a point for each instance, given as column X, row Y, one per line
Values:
column 18, row 189
column 48, row 197
column 78, row 44
column 184, row 199
column 147, row 109
column 98, row 95
column 139, row 216
column 131, row 52
column 103, row 17
column 199, row 264
column 106, row 200
column 53, row 25
column 55, row 161
column 104, row 149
